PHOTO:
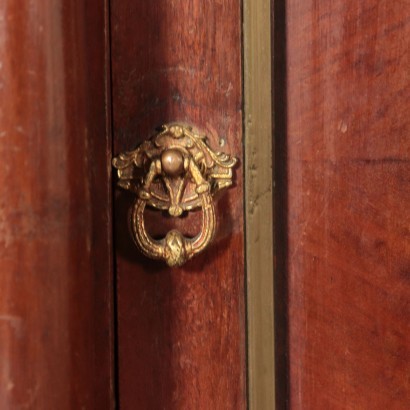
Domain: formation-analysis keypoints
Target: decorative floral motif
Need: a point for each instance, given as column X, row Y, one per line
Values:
column 176, row 171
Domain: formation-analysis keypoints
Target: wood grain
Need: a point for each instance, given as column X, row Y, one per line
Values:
column 55, row 236
column 181, row 332
column 348, row 195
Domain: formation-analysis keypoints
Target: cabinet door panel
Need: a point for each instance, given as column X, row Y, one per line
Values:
column 55, row 207
column 180, row 331
column 346, row 149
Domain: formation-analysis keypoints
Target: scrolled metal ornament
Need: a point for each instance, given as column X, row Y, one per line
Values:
column 174, row 171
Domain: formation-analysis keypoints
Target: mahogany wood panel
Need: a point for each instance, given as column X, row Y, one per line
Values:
column 55, row 246
column 181, row 335
column 348, row 194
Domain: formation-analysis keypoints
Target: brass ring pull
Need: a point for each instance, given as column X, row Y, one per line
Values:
column 182, row 173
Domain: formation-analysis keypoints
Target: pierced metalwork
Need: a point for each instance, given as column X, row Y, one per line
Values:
column 175, row 171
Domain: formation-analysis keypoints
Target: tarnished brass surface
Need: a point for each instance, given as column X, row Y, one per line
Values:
column 176, row 171
column 259, row 143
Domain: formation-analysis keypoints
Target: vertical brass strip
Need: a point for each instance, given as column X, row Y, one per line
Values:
column 259, row 203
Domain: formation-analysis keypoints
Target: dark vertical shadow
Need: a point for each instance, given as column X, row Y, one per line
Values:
column 85, row 155
column 115, row 385
column 143, row 288
column 281, row 202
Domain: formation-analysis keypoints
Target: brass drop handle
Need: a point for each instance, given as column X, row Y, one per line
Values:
column 176, row 171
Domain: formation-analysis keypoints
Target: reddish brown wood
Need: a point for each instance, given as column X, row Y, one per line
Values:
column 181, row 331
column 55, row 263
column 348, row 161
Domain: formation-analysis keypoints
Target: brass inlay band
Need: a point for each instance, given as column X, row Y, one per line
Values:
column 259, row 143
